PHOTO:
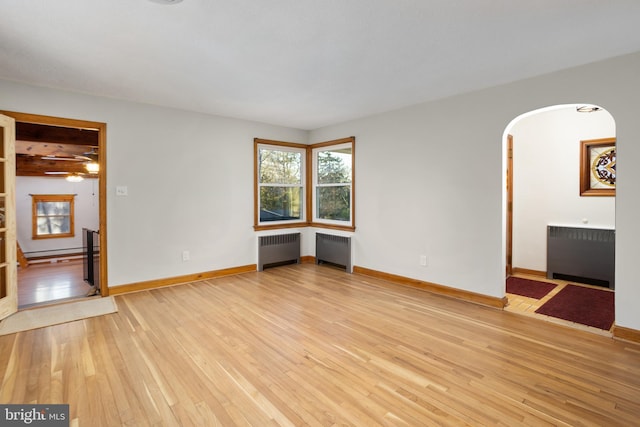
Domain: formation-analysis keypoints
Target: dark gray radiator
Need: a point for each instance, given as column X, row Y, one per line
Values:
column 278, row 249
column 334, row 249
column 575, row 253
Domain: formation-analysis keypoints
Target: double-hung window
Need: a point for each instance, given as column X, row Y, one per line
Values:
column 281, row 178
column 298, row 185
column 52, row 216
column 333, row 183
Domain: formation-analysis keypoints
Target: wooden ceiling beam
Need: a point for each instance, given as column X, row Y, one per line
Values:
column 55, row 134
column 51, row 149
column 35, row 166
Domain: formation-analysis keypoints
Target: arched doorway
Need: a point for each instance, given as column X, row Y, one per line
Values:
column 544, row 173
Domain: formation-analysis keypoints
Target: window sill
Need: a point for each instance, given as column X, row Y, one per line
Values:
column 53, row 236
column 333, row 226
column 304, row 224
column 279, row 226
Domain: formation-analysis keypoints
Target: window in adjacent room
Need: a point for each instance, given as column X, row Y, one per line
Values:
column 333, row 164
column 52, row 216
column 280, row 183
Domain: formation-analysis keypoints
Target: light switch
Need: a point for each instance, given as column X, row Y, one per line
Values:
column 122, row 190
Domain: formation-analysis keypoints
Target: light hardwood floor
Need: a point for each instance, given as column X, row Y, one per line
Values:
column 309, row 345
column 43, row 283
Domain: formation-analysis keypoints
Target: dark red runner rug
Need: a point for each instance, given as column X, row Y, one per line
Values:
column 528, row 288
column 587, row 306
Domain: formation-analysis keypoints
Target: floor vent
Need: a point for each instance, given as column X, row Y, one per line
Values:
column 278, row 249
column 334, row 250
column 581, row 254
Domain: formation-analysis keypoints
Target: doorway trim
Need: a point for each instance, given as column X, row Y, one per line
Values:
column 509, row 230
column 102, row 174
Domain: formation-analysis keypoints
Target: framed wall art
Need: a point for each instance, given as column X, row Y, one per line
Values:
column 598, row 167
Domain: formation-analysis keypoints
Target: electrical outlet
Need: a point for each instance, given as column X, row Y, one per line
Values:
column 423, row 260
column 185, row 256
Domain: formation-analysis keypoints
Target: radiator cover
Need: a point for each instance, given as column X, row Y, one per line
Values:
column 581, row 253
column 334, row 249
column 278, row 249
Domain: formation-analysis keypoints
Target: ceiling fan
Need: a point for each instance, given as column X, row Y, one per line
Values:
column 89, row 158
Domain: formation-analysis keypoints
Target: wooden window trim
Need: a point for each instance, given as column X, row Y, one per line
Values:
column 256, row 185
column 332, row 225
column 37, row 198
column 308, row 185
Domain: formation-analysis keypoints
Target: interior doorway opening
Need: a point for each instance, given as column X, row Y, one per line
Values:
column 63, row 158
column 543, row 193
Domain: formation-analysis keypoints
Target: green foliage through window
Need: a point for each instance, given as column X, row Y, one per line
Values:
column 334, row 167
column 334, row 203
column 281, row 192
column 300, row 185
column 333, row 197
column 280, row 167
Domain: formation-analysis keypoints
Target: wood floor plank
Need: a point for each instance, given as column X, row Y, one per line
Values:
column 309, row 345
column 44, row 283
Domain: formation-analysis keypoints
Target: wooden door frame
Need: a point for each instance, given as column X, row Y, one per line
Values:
column 102, row 174
column 509, row 231
column 8, row 298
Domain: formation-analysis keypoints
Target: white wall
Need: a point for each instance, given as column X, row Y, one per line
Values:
column 189, row 178
column 86, row 213
column 546, row 164
column 429, row 180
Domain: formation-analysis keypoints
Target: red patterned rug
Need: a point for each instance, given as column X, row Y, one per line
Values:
column 587, row 306
column 528, row 288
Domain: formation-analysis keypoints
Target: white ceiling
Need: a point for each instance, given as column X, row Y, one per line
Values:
column 303, row 63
